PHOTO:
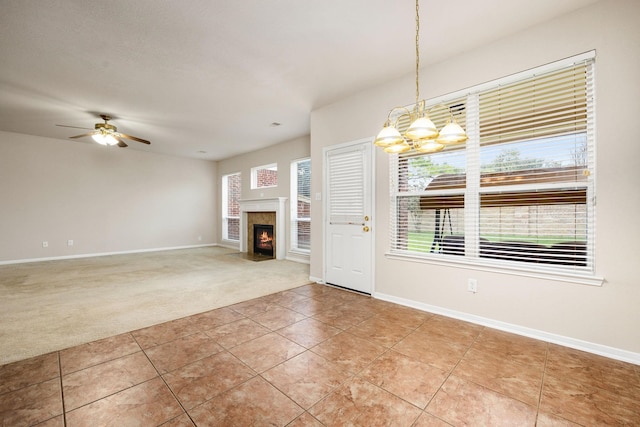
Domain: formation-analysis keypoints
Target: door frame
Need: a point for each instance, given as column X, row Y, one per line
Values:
column 325, row 205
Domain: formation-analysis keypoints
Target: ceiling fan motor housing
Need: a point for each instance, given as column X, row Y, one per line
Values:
column 106, row 126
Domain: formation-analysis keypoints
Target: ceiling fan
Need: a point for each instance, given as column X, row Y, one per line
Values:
column 107, row 134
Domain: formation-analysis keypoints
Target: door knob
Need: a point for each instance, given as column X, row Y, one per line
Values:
column 365, row 228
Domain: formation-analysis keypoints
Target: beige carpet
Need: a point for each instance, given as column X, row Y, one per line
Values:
column 48, row 306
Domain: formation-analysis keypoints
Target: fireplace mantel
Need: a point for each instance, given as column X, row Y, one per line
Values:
column 277, row 205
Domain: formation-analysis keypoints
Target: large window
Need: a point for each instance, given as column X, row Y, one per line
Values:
column 520, row 192
column 301, row 205
column 231, row 188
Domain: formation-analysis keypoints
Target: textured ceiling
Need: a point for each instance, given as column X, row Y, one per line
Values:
column 211, row 75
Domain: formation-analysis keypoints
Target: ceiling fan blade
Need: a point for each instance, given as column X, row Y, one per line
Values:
column 121, row 143
column 135, row 138
column 84, row 134
column 75, row 127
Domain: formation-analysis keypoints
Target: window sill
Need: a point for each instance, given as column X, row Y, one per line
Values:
column 541, row 273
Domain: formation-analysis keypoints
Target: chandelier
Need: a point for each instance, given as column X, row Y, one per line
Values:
column 422, row 135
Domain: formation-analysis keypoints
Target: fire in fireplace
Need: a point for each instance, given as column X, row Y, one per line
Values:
column 263, row 239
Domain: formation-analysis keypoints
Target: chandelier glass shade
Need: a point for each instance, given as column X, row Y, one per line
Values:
column 422, row 134
column 104, row 138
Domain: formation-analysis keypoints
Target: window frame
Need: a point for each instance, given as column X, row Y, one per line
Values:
column 225, row 206
column 255, row 179
column 295, row 220
column 473, row 192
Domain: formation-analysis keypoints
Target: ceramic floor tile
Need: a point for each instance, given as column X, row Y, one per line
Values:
column 343, row 317
column 253, row 307
column 96, row 382
column 306, row 378
column 438, row 352
column 93, row 353
column 512, row 347
column 16, row 375
column 215, row 318
column 266, row 351
column 360, row 403
column 461, row 402
column 52, row 422
column 307, row 306
column 305, row 420
column 206, row 378
column 286, row 297
column 309, row 332
column 32, row 404
column 428, row 420
column 546, row 420
column 402, row 316
column 349, row 352
column 172, row 355
column 180, row 421
column 147, row 404
column 164, row 332
column 450, row 329
column 413, row 381
column 381, row 331
column 608, row 374
column 513, row 379
column 587, row 404
column 238, row 332
column 254, row 403
column 310, row 290
column 277, row 317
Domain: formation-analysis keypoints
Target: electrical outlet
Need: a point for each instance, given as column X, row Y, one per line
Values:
column 45, row 244
column 199, row 238
column 69, row 242
column 472, row 285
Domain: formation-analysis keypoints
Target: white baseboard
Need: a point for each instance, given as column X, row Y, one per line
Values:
column 602, row 350
column 316, row 280
column 77, row 256
column 298, row 257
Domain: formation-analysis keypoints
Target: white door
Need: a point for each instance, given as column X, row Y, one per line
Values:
column 348, row 218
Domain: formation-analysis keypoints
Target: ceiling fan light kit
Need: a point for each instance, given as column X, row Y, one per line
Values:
column 422, row 135
column 106, row 134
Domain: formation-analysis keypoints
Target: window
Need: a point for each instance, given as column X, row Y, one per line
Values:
column 520, row 192
column 231, row 189
column 301, row 205
column 264, row 176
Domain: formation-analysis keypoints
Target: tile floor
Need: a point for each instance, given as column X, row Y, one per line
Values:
column 318, row 356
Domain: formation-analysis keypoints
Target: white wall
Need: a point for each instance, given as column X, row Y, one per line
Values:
column 282, row 154
column 105, row 199
column 608, row 316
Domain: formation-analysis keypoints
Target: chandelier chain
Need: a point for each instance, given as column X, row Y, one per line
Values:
column 417, row 51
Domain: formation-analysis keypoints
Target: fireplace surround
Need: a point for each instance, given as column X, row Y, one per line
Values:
column 273, row 207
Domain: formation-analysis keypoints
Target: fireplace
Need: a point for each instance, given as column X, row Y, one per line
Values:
column 263, row 211
column 263, row 239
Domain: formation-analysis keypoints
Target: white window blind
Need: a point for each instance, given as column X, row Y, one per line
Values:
column 521, row 190
column 301, row 205
column 346, row 200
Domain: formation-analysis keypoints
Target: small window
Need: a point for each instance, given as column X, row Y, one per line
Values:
column 264, row 176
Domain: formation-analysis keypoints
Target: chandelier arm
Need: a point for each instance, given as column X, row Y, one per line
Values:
column 442, row 106
column 395, row 122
